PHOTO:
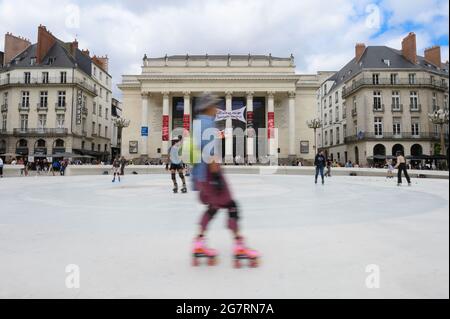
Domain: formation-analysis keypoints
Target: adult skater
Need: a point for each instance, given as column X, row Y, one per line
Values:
column 329, row 165
column 320, row 162
column 401, row 166
column 116, row 169
column 176, row 165
column 208, row 179
column 123, row 163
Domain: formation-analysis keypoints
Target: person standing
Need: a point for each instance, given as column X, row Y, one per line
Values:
column 319, row 162
column 116, row 169
column 1, row 167
column 176, row 165
column 123, row 163
column 401, row 166
column 208, row 179
column 329, row 164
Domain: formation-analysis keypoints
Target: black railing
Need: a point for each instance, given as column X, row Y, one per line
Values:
column 371, row 136
column 40, row 131
column 51, row 81
column 4, row 108
column 403, row 82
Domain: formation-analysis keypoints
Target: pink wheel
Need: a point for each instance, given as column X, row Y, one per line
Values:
column 237, row 264
column 212, row 261
column 254, row 263
column 195, row 262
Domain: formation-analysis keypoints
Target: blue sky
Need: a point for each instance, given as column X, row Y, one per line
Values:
column 320, row 33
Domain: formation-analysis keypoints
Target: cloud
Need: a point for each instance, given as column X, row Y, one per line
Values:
column 321, row 34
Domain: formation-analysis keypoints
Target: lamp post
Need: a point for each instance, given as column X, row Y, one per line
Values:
column 120, row 123
column 314, row 124
column 440, row 117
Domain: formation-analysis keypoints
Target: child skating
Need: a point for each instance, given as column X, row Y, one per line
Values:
column 390, row 169
column 116, row 169
column 176, row 165
column 208, row 179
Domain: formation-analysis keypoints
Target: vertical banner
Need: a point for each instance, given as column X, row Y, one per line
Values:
column 250, row 119
column 187, row 122
column 165, row 128
column 79, row 107
column 271, row 125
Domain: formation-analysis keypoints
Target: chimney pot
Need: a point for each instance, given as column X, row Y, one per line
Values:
column 433, row 55
column 359, row 50
column 409, row 48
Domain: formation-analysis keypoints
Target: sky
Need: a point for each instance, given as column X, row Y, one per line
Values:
column 321, row 34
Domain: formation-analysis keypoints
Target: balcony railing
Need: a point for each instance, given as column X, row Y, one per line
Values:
column 4, row 108
column 415, row 107
column 378, row 108
column 386, row 82
column 397, row 107
column 60, row 106
column 40, row 131
column 53, row 81
column 371, row 136
column 354, row 112
column 42, row 106
column 24, row 107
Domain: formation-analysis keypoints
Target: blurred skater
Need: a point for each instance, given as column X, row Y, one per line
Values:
column 319, row 162
column 401, row 166
column 175, row 165
column 116, row 169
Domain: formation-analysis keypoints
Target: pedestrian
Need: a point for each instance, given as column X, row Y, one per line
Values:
column 328, row 173
column 213, row 188
column 401, row 166
column 319, row 162
column 1, row 167
column 176, row 165
column 123, row 163
column 116, row 169
column 55, row 167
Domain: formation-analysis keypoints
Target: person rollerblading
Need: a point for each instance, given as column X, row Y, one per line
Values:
column 176, row 165
column 320, row 162
column 401, row 166
column 241, row 252
column 116, row 169
column 201, row 251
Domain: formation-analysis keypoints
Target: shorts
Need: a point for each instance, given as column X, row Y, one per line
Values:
column 176, row 167
column 116, row 170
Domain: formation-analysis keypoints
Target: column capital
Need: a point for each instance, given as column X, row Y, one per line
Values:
column 291, row 94
column 250, row 94
column 145, row 94
column 228, row 94
column 187, row 94
column 271, row 94
column 165, row 94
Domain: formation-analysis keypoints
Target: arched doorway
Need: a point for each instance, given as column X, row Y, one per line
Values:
column 356, row 155
column 58, row 146
column 417, row 156
column 22, row 147
column 416, row 150
column 379, row 155
column 40, row 148
column 398, row 148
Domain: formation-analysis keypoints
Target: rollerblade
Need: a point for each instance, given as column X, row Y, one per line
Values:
column 241, row 252
column 175, row 190
column 201, row 251
column 184, row 189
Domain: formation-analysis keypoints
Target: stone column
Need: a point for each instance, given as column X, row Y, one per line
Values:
column 165, row 125
column 187, row 113
column 228, row 129
column 250, row 130
column 292, row 139
column 143, row 149
column 271, row 124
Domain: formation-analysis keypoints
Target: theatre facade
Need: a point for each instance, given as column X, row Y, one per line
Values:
column 263, row 110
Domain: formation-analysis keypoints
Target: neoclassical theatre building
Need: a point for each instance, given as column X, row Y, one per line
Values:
column 256, row 91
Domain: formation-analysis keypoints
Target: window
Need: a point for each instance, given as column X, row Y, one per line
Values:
column 414, row 101
column 378, row 126
column 434, row 102
column 4, row 121
column 44, row 77
column 331, row 117
column 329, row 101
column 51, row 60
column 354, row 104
column 106, row 131
column 432, row 79
column 101, row 92
column 337, row 113
column 336, row 97
column 446, row 102
column 27, row 77
column 331, row 137
column 99, row 130
column 106, row 113
column 412, row 78
column 344, row 130
column 377, row 106
column 387, row 62
column 43, row 99
column 98, row 147
column 93, row 128
column 394, row 78
column 325, row 118
column 344, row 110
column 397, row 127
column 101, row 75
column 60, row 120
column 42, row 121
column 375, row 79
column 107, row 96
column 326, row 137
column 396, row 101
column 5, row 98
column 325, row 89
column 25, row 99
column 61, row 98
column 63, row 77
column 92, row 146
column 99, row 110
column 83, row 126
column 33, row 61
column 415, row 127
column 23, row 122
column 338, row 135
column 94, row 108
column 95, row 71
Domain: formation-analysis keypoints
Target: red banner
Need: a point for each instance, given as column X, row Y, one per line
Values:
column 165, row 128
column 187, row 122
column 249, row 119
column 271, row 125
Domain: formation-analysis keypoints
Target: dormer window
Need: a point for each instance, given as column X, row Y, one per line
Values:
column 387, row 62
column 32, row 61
column 51, row 60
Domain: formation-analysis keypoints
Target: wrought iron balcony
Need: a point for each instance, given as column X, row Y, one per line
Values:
column 60, row 106
column 4, row 108
column 24, row 107
column 371, row 136
column 397, row 107
column 399, row 83
column 354, row 112
column 40, row 131
column 42, row 106
column 415, row 107
column 378, row 108
column 52, row 81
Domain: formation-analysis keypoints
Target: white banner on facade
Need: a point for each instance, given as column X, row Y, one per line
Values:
column 234, row 115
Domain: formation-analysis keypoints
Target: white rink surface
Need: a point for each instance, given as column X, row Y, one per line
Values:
column 133, row 239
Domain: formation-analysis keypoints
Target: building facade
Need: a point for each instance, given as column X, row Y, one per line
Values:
column 55, row 99
column 379, row 103
column 265, row 90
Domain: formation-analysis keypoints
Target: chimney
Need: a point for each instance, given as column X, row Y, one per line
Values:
column 409, row 49
column 13, row 46
column 86, row 52
column 73, row 47
column 359, row 50
column 46, row 40
column 433, row 55
column 101, row 61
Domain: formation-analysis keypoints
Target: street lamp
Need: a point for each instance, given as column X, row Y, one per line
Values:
column 121, row 123
column 440, row 117
column 314, row 124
